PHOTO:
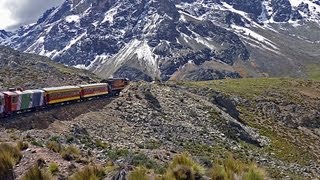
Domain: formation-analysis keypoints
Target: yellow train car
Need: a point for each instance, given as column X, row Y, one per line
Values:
column 62, row 94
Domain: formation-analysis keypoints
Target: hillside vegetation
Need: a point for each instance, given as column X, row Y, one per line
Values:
column 225, row 129
column 33, row 71
column 287, row 111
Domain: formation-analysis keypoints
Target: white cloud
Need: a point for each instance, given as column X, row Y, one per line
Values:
column 14, row 13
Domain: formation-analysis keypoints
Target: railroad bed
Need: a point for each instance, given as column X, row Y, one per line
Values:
column 43, row 118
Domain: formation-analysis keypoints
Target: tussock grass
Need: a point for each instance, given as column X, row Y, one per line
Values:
column 9, row 156
column 89, row 173
column 70, row 153
column 231, row 168
column 183, row 167
column 53, row 168
column 35, row 173
column 22, row 145
column 6, row 166
column 254, row 173
column 12, row 151
column 139, row 173
column 54, row 146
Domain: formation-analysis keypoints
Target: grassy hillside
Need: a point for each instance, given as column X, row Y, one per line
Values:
column 284, row 110
column 313, row 72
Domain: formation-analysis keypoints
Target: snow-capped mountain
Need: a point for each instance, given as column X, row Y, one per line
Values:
column 178, row 39
column 4, row 35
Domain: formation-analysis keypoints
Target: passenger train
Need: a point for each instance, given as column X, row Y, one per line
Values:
column 17, row 100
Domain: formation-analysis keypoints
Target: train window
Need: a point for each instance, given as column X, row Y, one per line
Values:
column 14, row 99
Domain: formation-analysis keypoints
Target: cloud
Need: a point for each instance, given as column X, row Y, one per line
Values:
column 14, row 13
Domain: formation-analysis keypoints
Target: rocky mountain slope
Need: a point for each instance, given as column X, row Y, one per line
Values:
column 33, row 71
column 180, row 39
column 273, row 122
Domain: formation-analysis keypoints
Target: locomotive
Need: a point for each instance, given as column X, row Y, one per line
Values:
column 17, row 100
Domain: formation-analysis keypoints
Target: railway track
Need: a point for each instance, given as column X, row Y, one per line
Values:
column 41, row 119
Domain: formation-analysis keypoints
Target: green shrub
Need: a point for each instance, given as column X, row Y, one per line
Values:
column 53, row 168
column 54, row 146
column 183, row 167
column 55, row 138
column 139, row 173
column 143, row 160
column 36, row 143
column 101, row 144
column 35, row 173
column 114, row 154
column 69, row 139
column 22, row 145
column 70, row 153
column 89, row 173
column 6, row 166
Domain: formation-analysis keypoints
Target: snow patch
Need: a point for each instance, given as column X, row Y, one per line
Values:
column 73, row 18
column 109, row 15
column 253, row 35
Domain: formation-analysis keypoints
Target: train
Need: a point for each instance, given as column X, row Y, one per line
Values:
column 17, row 100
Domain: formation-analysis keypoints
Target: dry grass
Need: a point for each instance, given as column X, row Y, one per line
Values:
column 231, row 168
column 53, row 168
column 89, row 173
column 12, row 151
column 183, row 167
column 22, row 145
column 54, row 146
column 139, row 173
column 35, row 173
column 6, row 166
column 70, row 153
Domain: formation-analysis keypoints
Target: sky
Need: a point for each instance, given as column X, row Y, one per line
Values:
column 14, row 13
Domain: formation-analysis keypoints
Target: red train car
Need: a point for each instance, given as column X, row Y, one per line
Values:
column 11, row 101
column 90, row 90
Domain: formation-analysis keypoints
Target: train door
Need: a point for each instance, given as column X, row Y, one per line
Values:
column 37, row 98
column 24, row 100
column 11, row 101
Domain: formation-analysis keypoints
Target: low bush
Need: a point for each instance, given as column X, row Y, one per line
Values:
column 89, row 173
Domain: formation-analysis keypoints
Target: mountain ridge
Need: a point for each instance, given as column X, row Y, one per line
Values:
column 161, row 39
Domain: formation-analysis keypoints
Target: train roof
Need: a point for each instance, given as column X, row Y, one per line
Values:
column 29, row 91
column 61, row 88
column 9, row 93
column 96, row 84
